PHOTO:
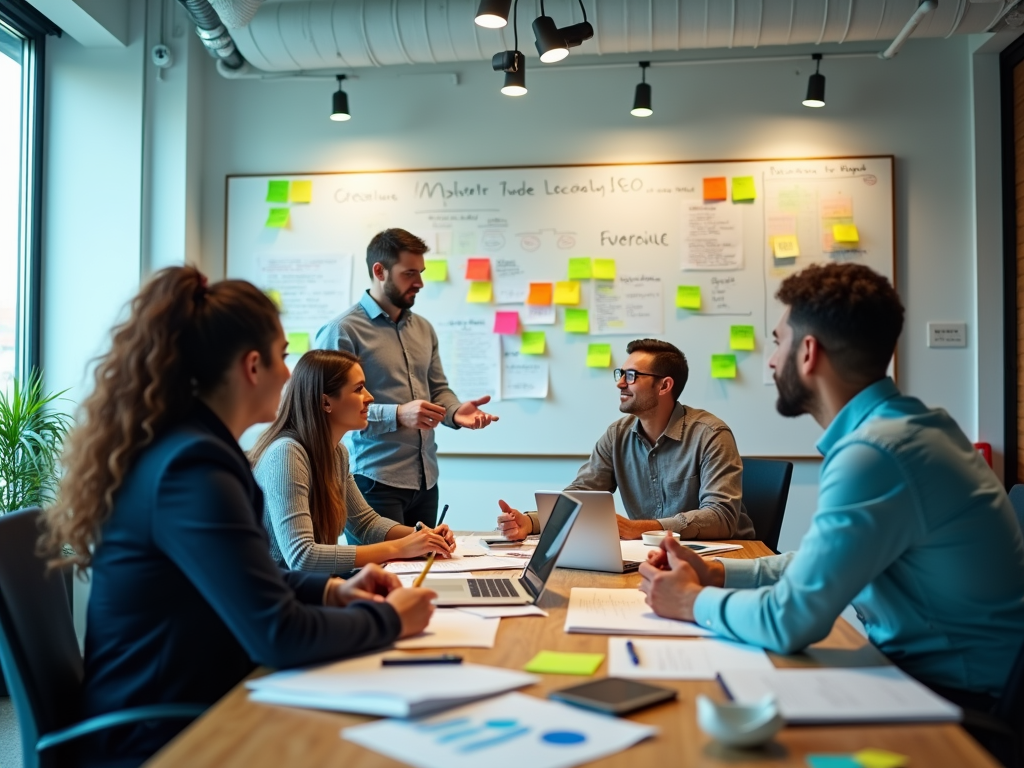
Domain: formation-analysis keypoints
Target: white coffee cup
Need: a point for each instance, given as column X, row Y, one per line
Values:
column 654, row 538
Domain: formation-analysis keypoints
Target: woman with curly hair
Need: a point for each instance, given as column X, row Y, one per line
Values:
column 158, row 498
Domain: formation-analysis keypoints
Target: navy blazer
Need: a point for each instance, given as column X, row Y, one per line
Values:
column 186, row 599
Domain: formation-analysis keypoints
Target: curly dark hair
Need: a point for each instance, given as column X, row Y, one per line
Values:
column 666, row 360
column 853, row 312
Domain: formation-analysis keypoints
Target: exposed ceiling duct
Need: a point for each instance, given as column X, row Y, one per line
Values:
column 214, row 36
column 309, row 35
column 236, row 13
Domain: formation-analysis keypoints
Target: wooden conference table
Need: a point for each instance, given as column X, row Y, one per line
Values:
column 237, row 733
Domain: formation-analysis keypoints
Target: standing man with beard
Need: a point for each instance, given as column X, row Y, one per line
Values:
column 676, row 467
column 394, row 460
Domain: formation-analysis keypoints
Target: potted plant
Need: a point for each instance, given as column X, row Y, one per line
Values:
column 31, row 438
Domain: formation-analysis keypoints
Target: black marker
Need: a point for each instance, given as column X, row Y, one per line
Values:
column 399, row 661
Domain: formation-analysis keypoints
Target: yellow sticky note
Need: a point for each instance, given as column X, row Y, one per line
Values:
column 580, row 268
column 785, row 246
column 845, row 233
column 302, row 192
column 604, row 269
column 688, row 297
column 723, row 366
column 577, row 321
column 278, row 218
column 881, row 758
column 298, row 343
column 533, row 343
column 567, row 292
column 275, row 296
column 741, row 337
column 599, row 355
column 277, row 191
column 435, row 271
column 479, row 292
column 743, row 188
column 559, row 663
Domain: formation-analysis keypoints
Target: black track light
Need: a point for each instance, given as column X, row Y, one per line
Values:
column 493, row 14
column 642, row 99
column 513, row 64
column 816, row 85
column 339, row 104
column 553, row 44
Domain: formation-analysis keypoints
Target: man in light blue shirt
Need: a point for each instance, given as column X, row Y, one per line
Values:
column 912, row 526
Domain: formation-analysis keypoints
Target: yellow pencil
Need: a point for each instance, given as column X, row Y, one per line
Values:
column 426, row 569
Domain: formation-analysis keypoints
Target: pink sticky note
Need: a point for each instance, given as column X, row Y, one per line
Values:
column 478, row 269
column 506, row 322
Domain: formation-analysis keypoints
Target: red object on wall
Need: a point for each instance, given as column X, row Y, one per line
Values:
column 985, row 449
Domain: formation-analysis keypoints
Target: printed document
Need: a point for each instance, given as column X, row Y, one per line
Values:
column 682, row 659
column 620, row 612
column 452, row 628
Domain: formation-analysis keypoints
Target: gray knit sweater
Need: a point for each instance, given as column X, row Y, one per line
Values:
column 283, row 472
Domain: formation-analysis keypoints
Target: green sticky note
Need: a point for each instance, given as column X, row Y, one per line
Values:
column 436, row 271
column 743, row 188
column 278, row 218
column 298, row 343
column 577, row 320
column 277, row 191
column 832, row 761
column 688, row 297
column 556, row 663
column 580, row 268
column 604, row 269
column 723, row 366
column 599, row 355
column 533, row 343
column 741, row 337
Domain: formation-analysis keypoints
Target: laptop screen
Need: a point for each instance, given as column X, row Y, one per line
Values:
column 552, row 539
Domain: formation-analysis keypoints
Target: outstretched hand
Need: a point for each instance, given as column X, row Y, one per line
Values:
column 469, row 415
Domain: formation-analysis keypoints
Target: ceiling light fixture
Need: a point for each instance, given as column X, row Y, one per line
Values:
column 553, row 44
column 339, row 104
column 492, row 14
column 642, row 99
column 512, row 63
column 816, row 85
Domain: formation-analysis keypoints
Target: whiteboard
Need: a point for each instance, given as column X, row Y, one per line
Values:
column 650, row 219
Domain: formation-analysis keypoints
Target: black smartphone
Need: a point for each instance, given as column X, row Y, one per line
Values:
column 614, row 695
column 399, row 661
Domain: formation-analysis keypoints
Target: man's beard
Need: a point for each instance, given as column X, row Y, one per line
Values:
column 794, row 396
column 638, row 403
column 396, row 297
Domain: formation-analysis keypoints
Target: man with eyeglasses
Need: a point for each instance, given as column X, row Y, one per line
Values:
column 676, row 467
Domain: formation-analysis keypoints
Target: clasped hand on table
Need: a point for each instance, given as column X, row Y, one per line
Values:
column 673, row 576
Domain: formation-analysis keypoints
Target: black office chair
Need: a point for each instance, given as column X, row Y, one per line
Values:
column 1001, row 732
column 765, row 492
column 1017, row 500
column 39, row 653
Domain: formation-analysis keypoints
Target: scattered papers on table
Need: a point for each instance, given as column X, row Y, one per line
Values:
column 682, row 659
column 452, row 628
column 364, row 687
column 298, row 343
column 459, row 564
column 604, row 269
column 577, row 321
column 599, row 355
column 506, row 322
column 723, row 366
column 279, row 218
column 479, row 293
column 436, row 271
column 559, row 663
column 580, row 268
column 301, row 192
column 741, row 337
column 567, row 292
column 533, row 343
column 743, row 189
column 506, row 732
column 478, row 270
column 277, row 191
column 715, row 188
column 503, row 611
column 636, row 550
column 688, row 297
column 620, row 612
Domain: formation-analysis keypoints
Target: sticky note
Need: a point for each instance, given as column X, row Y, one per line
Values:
column 479, row 292
column 832, row 761
column 556, row 663
column 880, row 758
column 714, row 188
column 478, row 269
column 577, row 321
column 599, row 355
column 298, row 343
column 688, row 297
column 436, row 271
column 506, row 322
column 533, row 343
column 278, row 218
column 277, row 191
column 741, row 337
column 580, row 268
column 540, row 294
column 567, row 292
column 604, row 269
column 785, row 246
column 275, row 296
column 302, row 192
column 743, row 188
column 845, row 233
column 723, row 366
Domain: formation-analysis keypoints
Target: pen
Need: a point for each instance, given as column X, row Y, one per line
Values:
column 400, row 661
column 725, row 688
column 426, row 569
column 443, row 513
column 632, row 653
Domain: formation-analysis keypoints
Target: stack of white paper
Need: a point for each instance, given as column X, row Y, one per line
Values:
column 508, row 732
column 636, row 551
column 867, row 694
column 459, row 564
column 683, row 659
column 407, row 691
column 452, row 628
column 620, row 612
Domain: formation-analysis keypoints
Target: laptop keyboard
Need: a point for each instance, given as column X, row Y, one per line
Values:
column 492, row 588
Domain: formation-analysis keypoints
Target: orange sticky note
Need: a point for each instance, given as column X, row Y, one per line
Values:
column 540, row 294
column 478, row 270
column 506, row 322
column 715, row 189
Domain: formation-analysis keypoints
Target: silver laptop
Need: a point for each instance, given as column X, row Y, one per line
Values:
column 593, row 544
column 526, row 589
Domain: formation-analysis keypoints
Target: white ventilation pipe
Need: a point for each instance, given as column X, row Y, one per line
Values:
column 926, row 7
column 236, row 13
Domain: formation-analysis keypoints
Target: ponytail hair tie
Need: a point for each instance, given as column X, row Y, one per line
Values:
column 201, row 289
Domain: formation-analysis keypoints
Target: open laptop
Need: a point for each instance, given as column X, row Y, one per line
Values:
column 593, row 544
column 526, row 589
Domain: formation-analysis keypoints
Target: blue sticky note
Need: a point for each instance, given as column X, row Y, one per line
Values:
column 832, row 761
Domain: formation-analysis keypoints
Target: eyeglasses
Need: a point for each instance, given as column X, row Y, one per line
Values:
column 631, row 375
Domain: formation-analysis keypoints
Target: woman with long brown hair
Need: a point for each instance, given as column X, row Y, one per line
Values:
column 310, row 496
column 158, row 498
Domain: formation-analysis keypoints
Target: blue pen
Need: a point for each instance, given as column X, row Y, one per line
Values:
column 420, row 526
column 725, row 688
column 632, row 653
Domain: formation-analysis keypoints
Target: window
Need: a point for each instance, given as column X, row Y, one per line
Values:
column 11, row 55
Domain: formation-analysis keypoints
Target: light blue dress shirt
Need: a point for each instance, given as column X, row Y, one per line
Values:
column 915, row 530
